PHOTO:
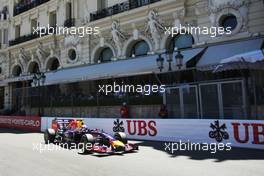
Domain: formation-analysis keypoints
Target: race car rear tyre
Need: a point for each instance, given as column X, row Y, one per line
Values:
column 49, row 136
column 121, row 137
column 87, row 142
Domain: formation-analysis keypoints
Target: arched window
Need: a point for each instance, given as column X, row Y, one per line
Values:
column 53, row 64
column 140, row 48
column 17, row 71
column 33, row 67
column 181, row 42
column 106, row 55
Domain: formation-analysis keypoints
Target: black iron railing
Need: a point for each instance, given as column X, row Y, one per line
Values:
column 23, row 39
column 25, row 6
column 119, row 8
column 29, row 37
column 69, row 22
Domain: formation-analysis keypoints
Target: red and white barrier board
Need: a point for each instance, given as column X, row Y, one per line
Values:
column 25, row 123
column 240, row 133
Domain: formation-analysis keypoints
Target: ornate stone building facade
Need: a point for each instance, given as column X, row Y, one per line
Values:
column 125, row 26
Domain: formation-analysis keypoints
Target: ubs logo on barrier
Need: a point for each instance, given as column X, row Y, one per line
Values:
column 142, row 127
column 118, row 126
column 136, row 127
column 218, row 131
column 250, row 130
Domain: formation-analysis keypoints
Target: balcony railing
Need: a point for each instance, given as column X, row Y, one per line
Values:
column 23, row 39
column 119, row 8
column 69, row 22
column 28, row 37
column 23, row 7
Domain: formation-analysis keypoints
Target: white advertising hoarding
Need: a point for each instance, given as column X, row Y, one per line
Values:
column 240, row 133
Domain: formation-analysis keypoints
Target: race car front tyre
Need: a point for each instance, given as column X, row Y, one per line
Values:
column 121, row 137
column 49, row 136
column 87, row 142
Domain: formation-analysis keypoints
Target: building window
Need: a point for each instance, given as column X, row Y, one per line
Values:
column 53, row 19
column 69, row 21
column 1, row 38
column 141, row 48
column 68, row 11
column 106, row 55
column 34, row 68
column 17, row 31
column 228, row 20
column 181, row 42
column 103, row 4
column 34, row 25
column 2, row 97
column 17, row 71
column 5, row 40
column 5, row 12
column 72, row 54
column 0, row 70
column 53, row 64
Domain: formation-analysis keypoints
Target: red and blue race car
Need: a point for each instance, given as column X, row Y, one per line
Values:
column 71, row 131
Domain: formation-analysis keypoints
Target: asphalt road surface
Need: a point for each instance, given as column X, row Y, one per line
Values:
column 19, row 156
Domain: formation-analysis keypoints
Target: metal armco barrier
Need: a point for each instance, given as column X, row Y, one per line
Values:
column 240, row 133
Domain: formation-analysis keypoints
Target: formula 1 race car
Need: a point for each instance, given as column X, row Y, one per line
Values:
column 71, row 131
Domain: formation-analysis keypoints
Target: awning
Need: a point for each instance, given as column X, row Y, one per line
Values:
column 251, row 57
column 121, row 68
column 250, row 60
column 3, row 84
column 16, row 79
column 217, row 53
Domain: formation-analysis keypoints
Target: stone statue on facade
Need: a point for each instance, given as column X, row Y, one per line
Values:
column 154, row 27
column 22, row 55
column 71, row 40
column 118, row 37
column 178, row 16
column 86, row 11
column 41, row 53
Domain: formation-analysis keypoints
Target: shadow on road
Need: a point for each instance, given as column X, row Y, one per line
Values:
column 234, row 154
column 102, row 155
